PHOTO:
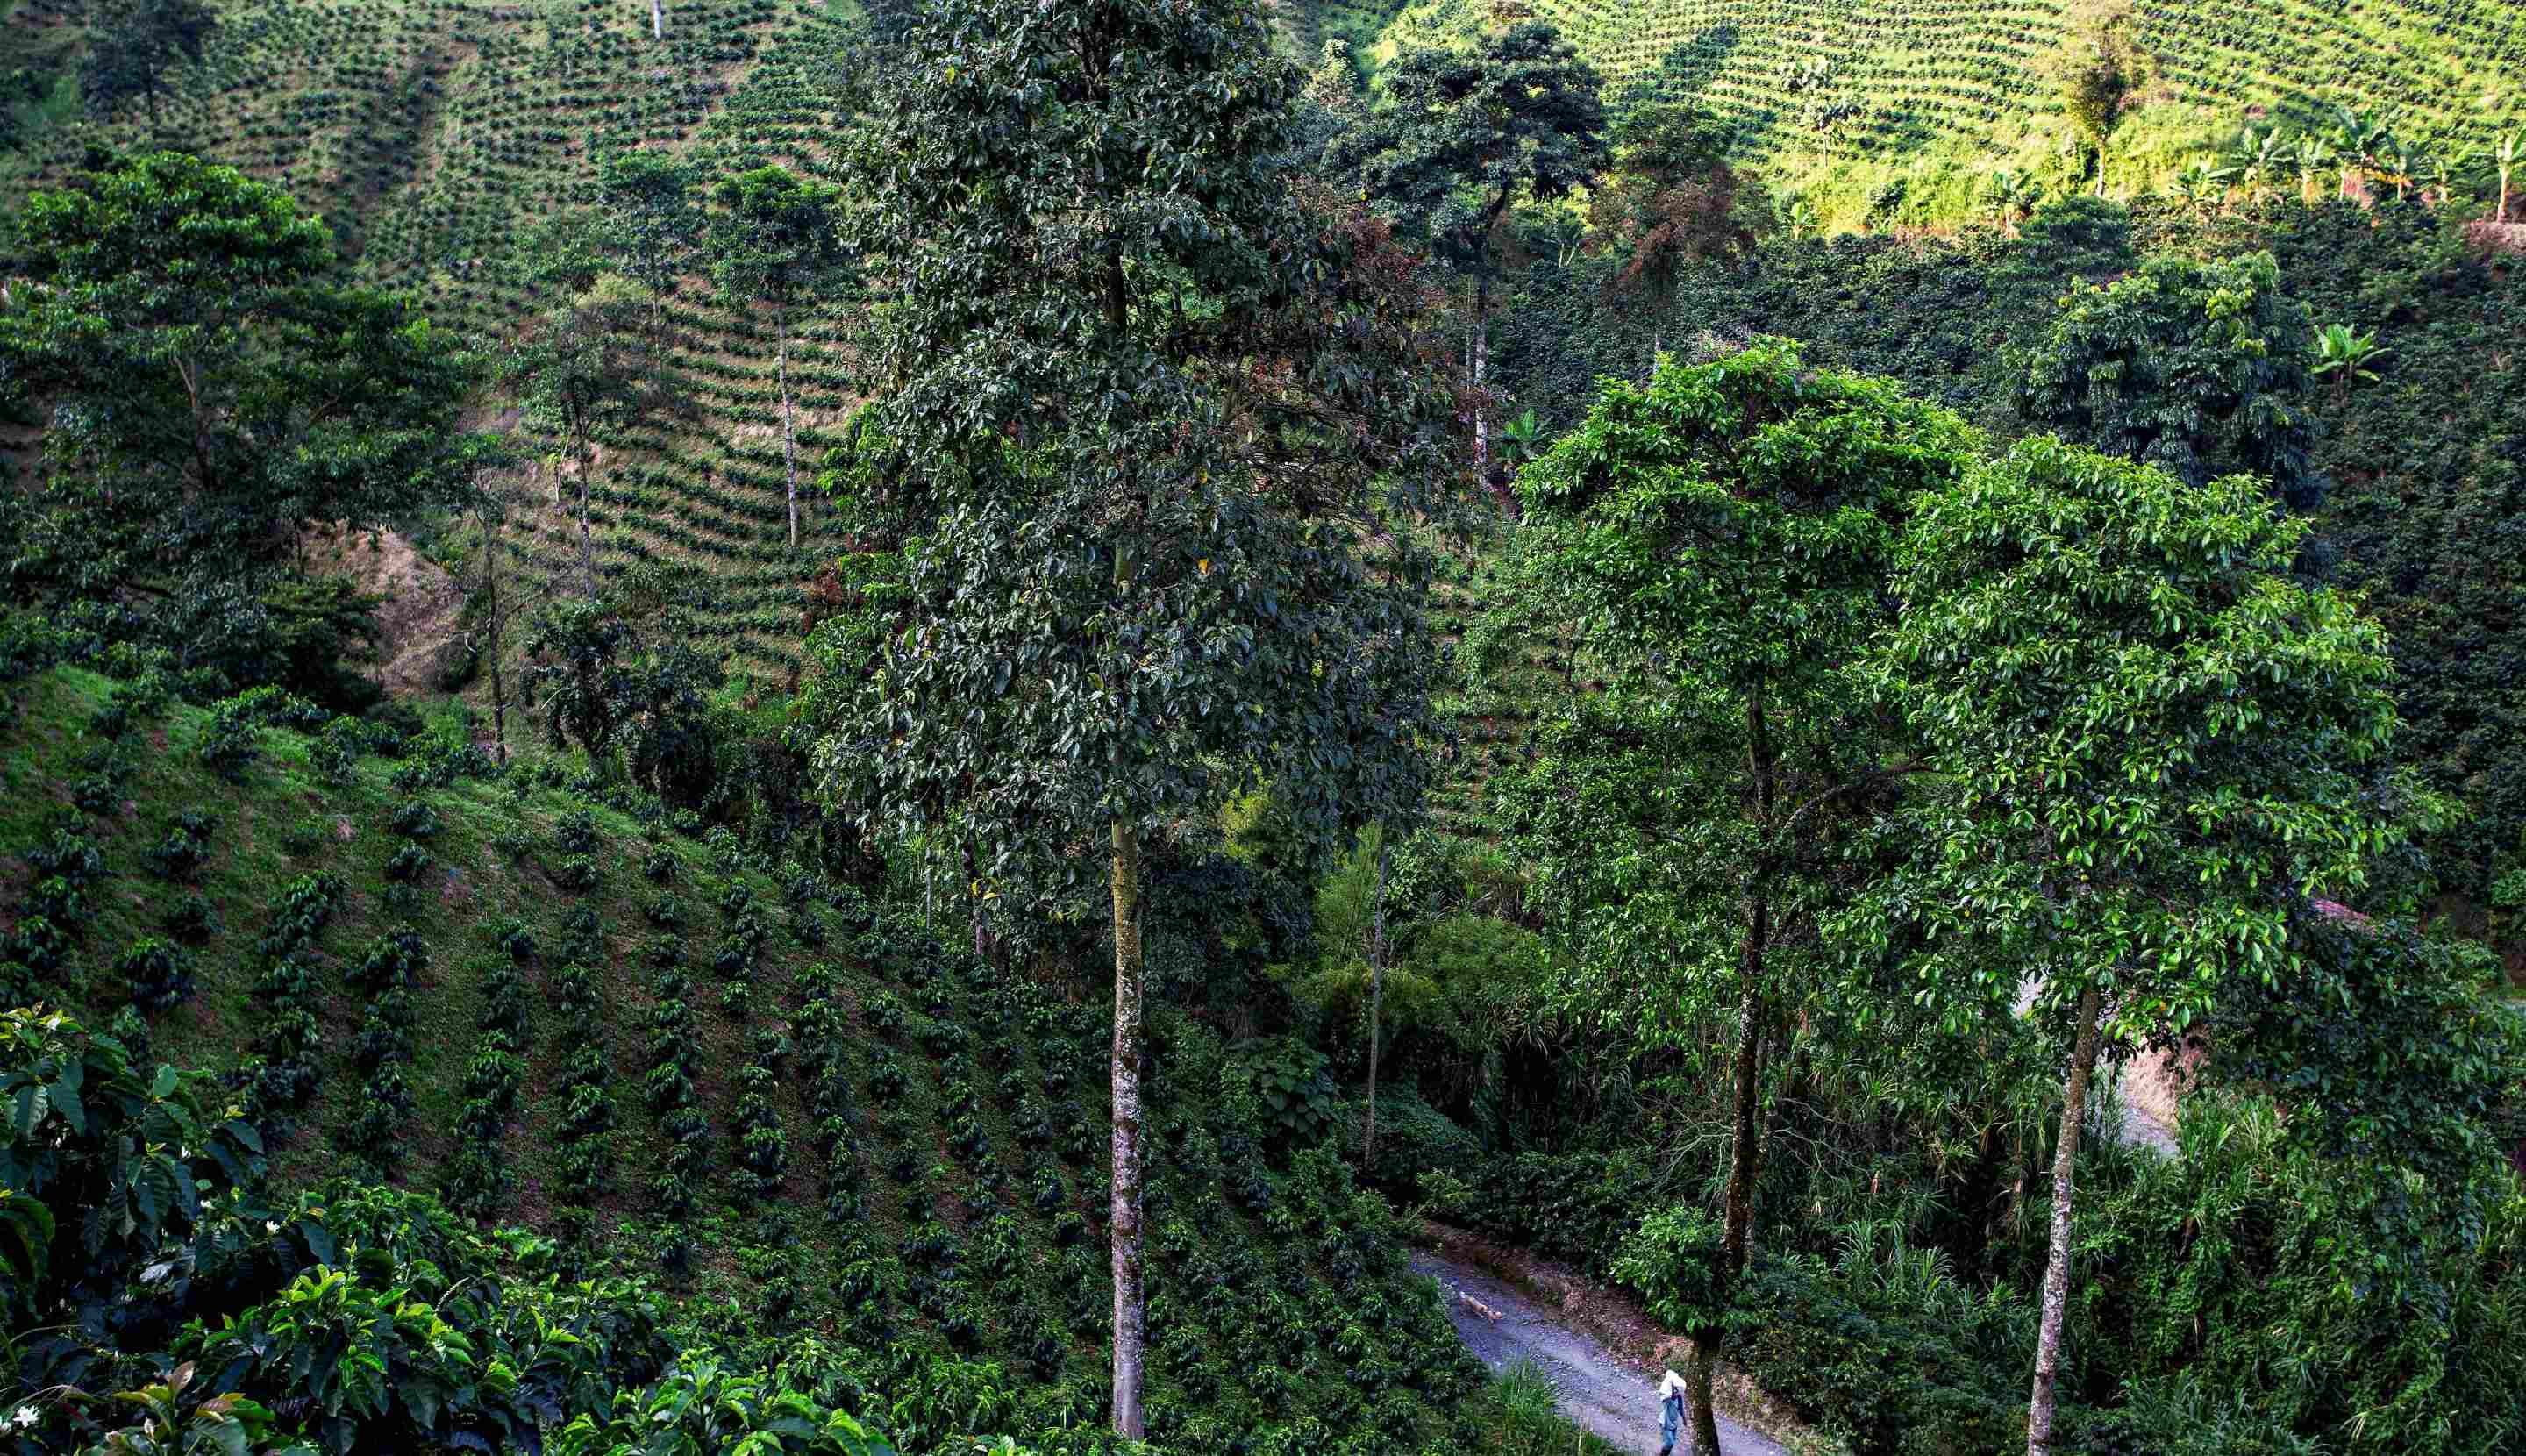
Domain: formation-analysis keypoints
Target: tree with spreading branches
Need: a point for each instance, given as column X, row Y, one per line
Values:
column 1166, row 441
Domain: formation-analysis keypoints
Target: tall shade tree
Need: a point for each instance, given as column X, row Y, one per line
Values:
column 1462, row 136
column 1722, row 535
column 595, row 361
column 1165, row 445
column 777, row 243
column 651, row 219
column 2199, row 367
column 215, row 384
column 1670, row 201
column 2102, row 71
column 134, row 46
column 2155, row 749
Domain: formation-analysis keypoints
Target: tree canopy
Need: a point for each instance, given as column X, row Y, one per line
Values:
column 1723, row 535
column 215, row 384
column 2199, row 367
column 2156, row 748
column 1149, row 435
column 135, row 44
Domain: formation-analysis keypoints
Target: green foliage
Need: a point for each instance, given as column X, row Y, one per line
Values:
column 133, row 45
column 648, row 202
column 1886, row 1349
column 106, row 1166
column 1152, row 614
column 2159, row 744
column 1721, row 536
column 1675, row 1261
column 2346, row 356
column 1460, row 137
column 168, row 1425
column 776, row 238
column 1288, row 1080
column 173, row 300
column 702, row 1409
column 592, row 362
column 2102, row 68
column 159, row 973
column 2196, row 367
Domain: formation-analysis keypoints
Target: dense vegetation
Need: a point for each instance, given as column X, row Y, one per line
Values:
column 895, row 727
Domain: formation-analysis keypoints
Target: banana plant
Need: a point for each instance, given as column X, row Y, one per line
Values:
column 1798, row 216
column 2346, row 356
column 2010, row 195
column 2358, row 138
column 1521, row 441
column 2261, row 157
column 2314, row 156
column 2505, row 157
column 2203, row 184
column 2400, row 165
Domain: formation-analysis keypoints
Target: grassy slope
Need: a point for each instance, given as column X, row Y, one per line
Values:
column 1242, row 1299
column 1937, row 91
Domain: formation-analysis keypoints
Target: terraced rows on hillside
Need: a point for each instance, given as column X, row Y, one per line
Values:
column 1875, row 80
column 436, row 133
column 435, row 136
column 673, row 1053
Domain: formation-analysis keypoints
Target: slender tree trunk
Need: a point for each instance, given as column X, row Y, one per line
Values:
column 1746, row 1146
column 2503, row 215
column 1130, row 1335
column 789, row 437
column 1481, row 355
column 657, row 20
column 974, row 904
column 2056, row 1271
column 492, row 615
column 1376, row 996
column 587, row 539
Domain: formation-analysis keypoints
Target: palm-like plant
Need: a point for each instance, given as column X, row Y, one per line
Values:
column 1798, row 216
column 2445, row 172
column 2356, row 138
column 1521, row 441
column 2346, row 356
column 2261, row 157
column 2505, row 157
column 2399, row 165
column 2010, row 195
column 2203, row 184
column 2314, row 156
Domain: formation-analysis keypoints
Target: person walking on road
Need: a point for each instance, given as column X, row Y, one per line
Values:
column 1671, row 1413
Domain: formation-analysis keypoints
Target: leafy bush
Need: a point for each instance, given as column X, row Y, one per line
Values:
column 231, row 738
column 160, row 974
column 414, row 819
column 407, row 865
column 577, row 873
column 1290, row 1087
column 192, row 919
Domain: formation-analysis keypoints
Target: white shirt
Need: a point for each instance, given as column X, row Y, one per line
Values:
column 1672, row 1387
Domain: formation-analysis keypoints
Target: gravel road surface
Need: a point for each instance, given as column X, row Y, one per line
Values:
column 1605, row 1396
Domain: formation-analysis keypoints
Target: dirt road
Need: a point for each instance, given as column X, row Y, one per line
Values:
column 1605, row 1396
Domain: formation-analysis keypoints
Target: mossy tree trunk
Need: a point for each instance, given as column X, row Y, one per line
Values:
column 1131, row 1338
column 2056, row 1269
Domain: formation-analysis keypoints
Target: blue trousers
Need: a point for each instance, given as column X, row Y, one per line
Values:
column 1670, row 1421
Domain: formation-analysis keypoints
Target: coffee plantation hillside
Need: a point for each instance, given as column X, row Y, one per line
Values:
column 440, row 142
column 447, row 144
column 754, row 1087
column 1896, row 111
